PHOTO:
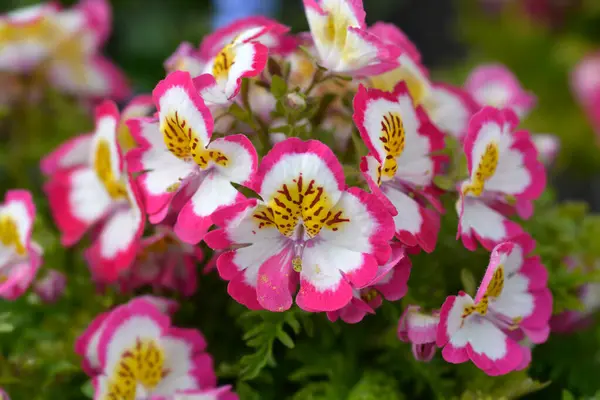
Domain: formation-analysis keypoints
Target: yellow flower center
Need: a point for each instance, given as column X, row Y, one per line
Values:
column 493, row 290
column 103, row 167
column 142, row 365
column 300, row 199
column 223, row 62
column 160, row 246
column 336, row 30
column 393, row 139
column 9, row 235
column 369, row 295
column 485, row 170
column 183, row 142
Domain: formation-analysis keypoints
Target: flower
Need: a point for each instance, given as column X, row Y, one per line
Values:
column 185, row 58
column 409, row 66
column 504, row 171
column 233, row 53
column 220, row 393
column 400, row 167
column 449, row 107
column 585, row 84
column 494, row 85
column 512, row 301
column 180, row 165
column 389, row 283
column 20, row 257
column 90, row 187
column 589, row 296
column 142, row 356
column 272, row 35
column 63, row 46
column 547, row 146
column 86, row 344
column 140, row 106
column 4, row 395
column 76, row 151
column 51, row 287
column 343, row 43
column 420, row 330
column 308, row 225
column 164, row 261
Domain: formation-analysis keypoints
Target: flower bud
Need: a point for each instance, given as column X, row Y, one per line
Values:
column 51, row 287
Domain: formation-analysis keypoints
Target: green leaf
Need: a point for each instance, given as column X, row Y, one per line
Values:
column 443, row 182
column 376, row 385
column 239, row 113
column 566, row 395
column 468, row 281
column 285, row 129
column 88, row 389
column 278, row 87
column 285, row 339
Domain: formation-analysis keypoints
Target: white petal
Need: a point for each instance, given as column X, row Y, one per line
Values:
column 355, row 234
column 409, row 213
column 88, row 198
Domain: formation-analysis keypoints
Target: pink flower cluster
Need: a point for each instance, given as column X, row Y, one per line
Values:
column 179, row 158
column 60, row 48
column 133, row 352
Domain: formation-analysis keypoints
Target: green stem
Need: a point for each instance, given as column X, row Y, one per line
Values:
column 258, row 125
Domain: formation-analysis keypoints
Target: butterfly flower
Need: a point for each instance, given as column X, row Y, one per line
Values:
column 308, row 226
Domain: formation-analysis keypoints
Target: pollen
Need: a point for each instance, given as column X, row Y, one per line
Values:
column 223, row 62
column 301, row 201
column 393, row 139
column 104, row 171
column 297, row 264
column 174, row 187
column 485, row 170
column 142, row 364
column 9, row 234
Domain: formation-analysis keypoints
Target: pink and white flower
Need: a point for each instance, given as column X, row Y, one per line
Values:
column 513, row 300
column 547, row 146
column 409, row 67
column 400, row 167
column 63, row 45
column 272, row 35
column 449, row 107
column 589, row 296
column 343, row 43
column 20, row 257
column 51, row 287
column 185, row 58
column 142, row 356
column 389, row 283
column 76, row 151
column 181, row 166
column 86, row 344
column 494, row 85
column 96, row 192
column 163, row 261
column 308, row 226
column 25, row 44
column 139, row 106
column 585, row 84
column 220, row 393
column 4, row 395
column 504, row 168
column 420, row 330
column 244, row 56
